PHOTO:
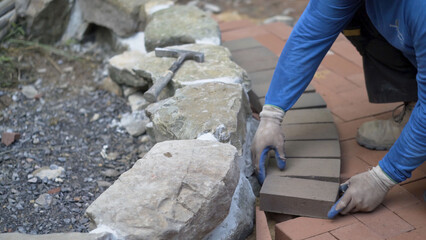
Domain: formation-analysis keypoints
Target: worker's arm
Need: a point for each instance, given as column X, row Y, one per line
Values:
column 367, row 190
column 409, row 151
column 311, row 38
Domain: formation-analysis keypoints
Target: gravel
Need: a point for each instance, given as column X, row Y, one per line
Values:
column 72, row 125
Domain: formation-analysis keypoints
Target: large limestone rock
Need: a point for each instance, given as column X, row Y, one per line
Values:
column 123, row 17
column 217, row 67
column 180, row 25
column 217, row 108
column 239, row 222
column 46, row 19
column 179, row 190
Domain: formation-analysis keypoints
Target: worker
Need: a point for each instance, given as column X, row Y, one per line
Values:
column 391, row 37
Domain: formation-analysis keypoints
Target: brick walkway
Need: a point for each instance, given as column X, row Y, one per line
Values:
column 340, row 81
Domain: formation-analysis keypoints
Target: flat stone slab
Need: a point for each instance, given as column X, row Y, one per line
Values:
column 323, row 169
column 297, row 196
column 217, row 67
column 321, row 115
column 309, row 100
column 310, row 131
column 241, row 44
column 313, row 149
column 178, row 190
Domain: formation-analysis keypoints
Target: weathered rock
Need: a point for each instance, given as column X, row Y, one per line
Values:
column 29, row 91
column 120, row 69
column 8, row 138
column 239, row 222
column 48, row 172
column 217, row 67
column 178, row 25
column 171, row 193
column 137, row 102
column 44, row 200
column 135, row 123
column 218, row 108
column 47, row 19
column 111, row 86
column 123, row 17
column 57, row 236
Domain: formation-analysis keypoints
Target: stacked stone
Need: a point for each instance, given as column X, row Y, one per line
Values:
column 195, row 182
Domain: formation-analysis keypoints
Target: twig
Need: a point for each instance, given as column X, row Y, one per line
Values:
column 54, row 64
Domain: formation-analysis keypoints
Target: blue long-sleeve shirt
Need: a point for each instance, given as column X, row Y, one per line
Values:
column 403, row 25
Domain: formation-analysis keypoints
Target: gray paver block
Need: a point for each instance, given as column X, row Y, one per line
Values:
column 312, row 149
column 323, row 169
column 310, row 131
column 241, row 44
column 255, row 59
column 321, row 115
column 261, row 80
column 309, row 100
column 297, row 196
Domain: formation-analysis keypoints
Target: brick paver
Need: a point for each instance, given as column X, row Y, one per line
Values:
column 340, row 82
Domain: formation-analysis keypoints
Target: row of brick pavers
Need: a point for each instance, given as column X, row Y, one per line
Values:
column 340, row 82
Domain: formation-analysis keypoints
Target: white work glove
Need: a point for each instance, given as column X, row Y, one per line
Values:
column 365, row 191
column 268, row 134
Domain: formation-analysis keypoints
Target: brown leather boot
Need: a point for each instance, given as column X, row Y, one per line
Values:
column 382, row 134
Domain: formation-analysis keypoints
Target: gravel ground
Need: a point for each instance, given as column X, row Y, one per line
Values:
column 72, row 125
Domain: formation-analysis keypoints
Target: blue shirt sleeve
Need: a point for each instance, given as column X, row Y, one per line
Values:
column 311, row 38
column 409, row 151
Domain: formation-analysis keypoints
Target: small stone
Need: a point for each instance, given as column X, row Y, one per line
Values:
column 15, row 177
column 54, row 190
column 41, row 70
column 112, row 156
column 44, row 200
column 68, row 69
column 8, row 138
column 36, row 140
column 48, row 173
column 137, row 102
column 32, row 180
column 29, row 91
column 110, row 173
column 62, row 159
column 135, row 123
column 103, row 183
column 59, row 180
column 95, row 117
column 109, row 85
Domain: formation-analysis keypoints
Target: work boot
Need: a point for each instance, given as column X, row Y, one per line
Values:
column 382, row 134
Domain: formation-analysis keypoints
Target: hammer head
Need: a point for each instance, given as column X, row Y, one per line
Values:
column 177, row 53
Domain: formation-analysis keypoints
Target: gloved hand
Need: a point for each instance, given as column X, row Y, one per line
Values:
column 269, row 134
column 365, row 191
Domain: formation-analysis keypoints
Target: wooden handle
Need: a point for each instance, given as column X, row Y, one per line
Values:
column 152, row 93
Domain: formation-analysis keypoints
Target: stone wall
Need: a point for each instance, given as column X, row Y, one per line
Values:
column 196, row 182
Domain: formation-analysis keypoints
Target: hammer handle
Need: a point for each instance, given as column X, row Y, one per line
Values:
column 152, row 93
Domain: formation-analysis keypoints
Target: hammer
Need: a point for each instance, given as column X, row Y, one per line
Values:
column 181, row 55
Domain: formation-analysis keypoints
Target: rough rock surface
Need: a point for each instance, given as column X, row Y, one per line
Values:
column 239, row 222
column 219, row 108
column 120, row 69
column 123, row 17
column 217, row 67
column 180, row 25
column 47, row 19
column 178, row 190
